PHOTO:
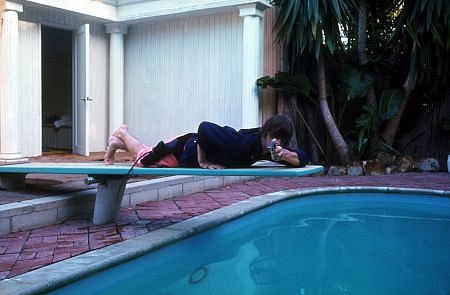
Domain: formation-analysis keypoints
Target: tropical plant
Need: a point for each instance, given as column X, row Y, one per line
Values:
column 291, row 84
column 297, row 85
column 445, row 124
column 422, row 28
column 383, row 51
column 369, row 123
column 312, row 27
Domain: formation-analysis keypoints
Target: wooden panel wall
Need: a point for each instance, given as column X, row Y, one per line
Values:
column 181, row 72
column 272, row 63
column 30, row 88
column 427, row 139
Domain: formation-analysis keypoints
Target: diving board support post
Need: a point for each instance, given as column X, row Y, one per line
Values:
column 111, row 180
column 12, row 180
column 109, row 198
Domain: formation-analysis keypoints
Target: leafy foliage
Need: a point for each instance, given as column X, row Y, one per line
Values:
column 445, row 124
column 291, row 84
column 356, row 83
column 305, row 25
column 369, row 123
column 408, row 48
column 424, row 25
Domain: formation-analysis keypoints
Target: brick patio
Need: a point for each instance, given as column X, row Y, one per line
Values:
column 27, row 250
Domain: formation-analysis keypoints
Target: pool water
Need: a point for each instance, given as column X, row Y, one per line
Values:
column 352, row 243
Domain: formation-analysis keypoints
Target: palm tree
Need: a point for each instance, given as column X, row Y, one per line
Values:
column 425, row 26
column 312, row 27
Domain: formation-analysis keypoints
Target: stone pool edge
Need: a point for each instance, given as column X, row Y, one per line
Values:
column 67, row 271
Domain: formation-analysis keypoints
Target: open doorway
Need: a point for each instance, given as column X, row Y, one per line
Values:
column 56, row 89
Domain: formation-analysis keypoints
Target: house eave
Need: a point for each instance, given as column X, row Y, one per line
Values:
column 167, row 8
column 133, row 11
column 87, row 8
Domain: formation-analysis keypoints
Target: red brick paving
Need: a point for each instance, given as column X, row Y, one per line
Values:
column 24, row 251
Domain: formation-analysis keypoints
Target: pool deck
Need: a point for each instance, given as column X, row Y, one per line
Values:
column 24, row 251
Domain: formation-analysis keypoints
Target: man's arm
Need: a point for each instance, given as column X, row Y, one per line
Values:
column 296, row 159
column 203, row 161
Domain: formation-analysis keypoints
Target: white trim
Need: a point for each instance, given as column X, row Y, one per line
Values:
column 136, row 10
column 116, row 74
column 254, row 9
column 13, row 6
column 117, row 28
column 85, row 7
column 252, row 60
column 122, row 2
column 173, row 7
column 9, row 88
column 81, row 99
column 108, row 2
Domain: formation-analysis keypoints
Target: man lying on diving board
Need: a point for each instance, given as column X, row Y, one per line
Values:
column 214, row 147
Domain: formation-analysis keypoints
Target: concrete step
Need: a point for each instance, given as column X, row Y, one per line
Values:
column 38, row 212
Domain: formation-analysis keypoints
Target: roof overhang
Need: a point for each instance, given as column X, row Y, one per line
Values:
column 87, row 8
column 157, row 9
column 132, row 11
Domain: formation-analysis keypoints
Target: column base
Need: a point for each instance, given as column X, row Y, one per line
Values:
column 12, row 159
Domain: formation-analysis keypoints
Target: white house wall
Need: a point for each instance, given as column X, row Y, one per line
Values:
column 99, row 80
column 181, row 72
column 30, row 89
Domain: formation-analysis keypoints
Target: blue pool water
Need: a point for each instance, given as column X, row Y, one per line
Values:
column 352, row 243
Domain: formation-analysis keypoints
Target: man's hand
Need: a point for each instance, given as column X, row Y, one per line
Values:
column 277, row 153
column 209, row 165
column 281, row 154
column 203, row 161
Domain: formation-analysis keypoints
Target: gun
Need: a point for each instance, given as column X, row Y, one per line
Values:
column 273, row 144
column 271, row 147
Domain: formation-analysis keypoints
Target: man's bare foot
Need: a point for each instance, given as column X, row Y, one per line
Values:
column 114, row 143
column 121, row 132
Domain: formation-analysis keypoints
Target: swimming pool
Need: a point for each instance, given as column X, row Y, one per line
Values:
column 340, row 243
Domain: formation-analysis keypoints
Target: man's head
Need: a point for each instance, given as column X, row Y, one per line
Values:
column 279, row 127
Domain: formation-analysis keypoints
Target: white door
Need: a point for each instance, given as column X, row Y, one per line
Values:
column 81, row 91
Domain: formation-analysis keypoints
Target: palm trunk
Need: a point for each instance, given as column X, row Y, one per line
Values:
column 391, row 128
column 313, row 145
column 336, row 137
column 286, row 107
column 362, row 47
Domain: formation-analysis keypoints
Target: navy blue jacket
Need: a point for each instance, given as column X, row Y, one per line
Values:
column 228, row 147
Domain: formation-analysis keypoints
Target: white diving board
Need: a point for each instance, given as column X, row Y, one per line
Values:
column 112, row 179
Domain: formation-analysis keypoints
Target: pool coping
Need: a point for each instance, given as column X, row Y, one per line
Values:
column 64, row 272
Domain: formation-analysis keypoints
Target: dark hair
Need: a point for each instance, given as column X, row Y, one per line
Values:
column 280, row 127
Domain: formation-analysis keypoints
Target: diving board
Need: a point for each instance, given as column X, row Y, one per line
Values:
column 111, row 179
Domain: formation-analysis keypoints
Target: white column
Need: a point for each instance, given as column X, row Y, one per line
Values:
column 252, row 60
column 9, row 83
column 116, row 74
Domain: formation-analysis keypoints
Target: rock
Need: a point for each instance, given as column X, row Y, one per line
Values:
column 373, row 167
column 355, row 169
column 336, row 171
column 391, row 169
column 386, row 159
column 405, row 164
column 427, row 165
column 448, row 163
